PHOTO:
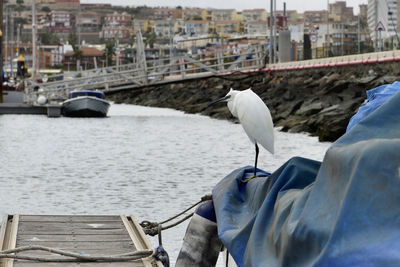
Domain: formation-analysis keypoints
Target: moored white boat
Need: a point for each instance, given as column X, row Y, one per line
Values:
column 85, row 104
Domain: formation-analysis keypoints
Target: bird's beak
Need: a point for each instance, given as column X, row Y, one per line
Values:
column 218, row 100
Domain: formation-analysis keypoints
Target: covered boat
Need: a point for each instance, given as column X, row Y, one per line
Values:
column 85, row 104
column 343, row 211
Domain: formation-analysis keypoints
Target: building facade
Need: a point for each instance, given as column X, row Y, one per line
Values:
column 163, row 28
column 87, row 60
column 382, row 12
column 227, row 28
column 143, row 25
column 194, row 14
column 118, row 19
column 314, row 17
column 257, row 28
column 223, row 14
column 61, row 21
column 196, row 27
column 117, row 32
column 167, row 13
column 254, row 15
column 88, row 20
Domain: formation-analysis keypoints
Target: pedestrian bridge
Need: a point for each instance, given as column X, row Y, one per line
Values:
column 142, row 73
column 218, row 62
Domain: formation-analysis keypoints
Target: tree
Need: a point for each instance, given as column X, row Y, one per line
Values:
column 150, row 38
column 48, row 38
column 21, row 21
column 109, row 53
column 20, row 2
column 46, row 9
column 77, row 54
column 72, row 39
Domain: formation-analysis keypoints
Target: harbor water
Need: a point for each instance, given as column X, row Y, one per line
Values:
column 149, row 162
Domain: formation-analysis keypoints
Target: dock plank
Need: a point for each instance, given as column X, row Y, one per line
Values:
column 85, row 246
column 91, row 235
column 74, row 264
column 70, row 218
column 87, row 251
column 75, row 238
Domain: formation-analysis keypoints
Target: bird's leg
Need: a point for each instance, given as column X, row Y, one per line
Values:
column 246, row 179
column 255, row 164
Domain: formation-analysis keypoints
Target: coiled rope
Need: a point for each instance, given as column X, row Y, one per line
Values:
column 152, row 228
column 76, row 257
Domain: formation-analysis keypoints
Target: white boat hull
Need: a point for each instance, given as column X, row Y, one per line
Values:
column 85, row 106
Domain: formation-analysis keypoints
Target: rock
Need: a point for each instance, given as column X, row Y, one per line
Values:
column 385, row 80
column 365, row 80
column 308, row 109
column 318, row 101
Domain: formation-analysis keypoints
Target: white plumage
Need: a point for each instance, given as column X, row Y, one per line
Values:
column 254, row 116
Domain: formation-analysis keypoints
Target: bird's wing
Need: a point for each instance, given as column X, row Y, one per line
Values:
column 256, row 120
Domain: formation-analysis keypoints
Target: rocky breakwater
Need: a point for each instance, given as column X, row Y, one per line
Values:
column 317, row 101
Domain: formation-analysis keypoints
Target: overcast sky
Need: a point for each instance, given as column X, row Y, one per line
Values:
column 299, row 5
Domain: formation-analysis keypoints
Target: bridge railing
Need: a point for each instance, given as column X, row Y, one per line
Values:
column 156, row 71
column 375, row 57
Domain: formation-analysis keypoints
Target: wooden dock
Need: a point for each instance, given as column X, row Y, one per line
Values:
column 89, row 235
column 19, row 108
column 51, row 110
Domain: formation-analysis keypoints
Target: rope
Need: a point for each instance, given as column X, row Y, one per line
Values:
column 162, row 254
column 77, row 257
column 151, row 228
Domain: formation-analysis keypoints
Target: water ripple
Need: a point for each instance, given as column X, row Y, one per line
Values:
column 149, row 162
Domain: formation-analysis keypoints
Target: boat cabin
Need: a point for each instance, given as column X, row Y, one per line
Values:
column 97, row 94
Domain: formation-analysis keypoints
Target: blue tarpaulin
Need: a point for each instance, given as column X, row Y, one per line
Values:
column 343, row 211
column 375, row 98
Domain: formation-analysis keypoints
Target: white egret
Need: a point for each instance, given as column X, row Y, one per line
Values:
column 254, row 116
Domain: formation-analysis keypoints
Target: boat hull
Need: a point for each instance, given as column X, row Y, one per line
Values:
column 85, row 106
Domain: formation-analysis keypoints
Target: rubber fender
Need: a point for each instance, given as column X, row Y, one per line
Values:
column 201, row 245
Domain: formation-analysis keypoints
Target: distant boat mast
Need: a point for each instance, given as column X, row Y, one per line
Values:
column 34, row 40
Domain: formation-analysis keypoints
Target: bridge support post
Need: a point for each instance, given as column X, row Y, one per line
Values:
column 182, row 64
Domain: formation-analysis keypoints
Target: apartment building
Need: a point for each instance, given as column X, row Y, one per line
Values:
column 64, row 4
column 292, row 16
column 224, row 14
column 364, row 10
column 167, row 13
column 89, row 20
column 114, row 32
column 164, row 28
column 314, row 17
column 398, row 15
column 257, row 28
column 143, row 25
column 29, row 2
column 227, row 28
column 384, row 12
column 61, row 21
column 194, row 14
column 254, row 15
column 338, row 11
column 196, row 27
column 118, row 19
column 343, row 38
